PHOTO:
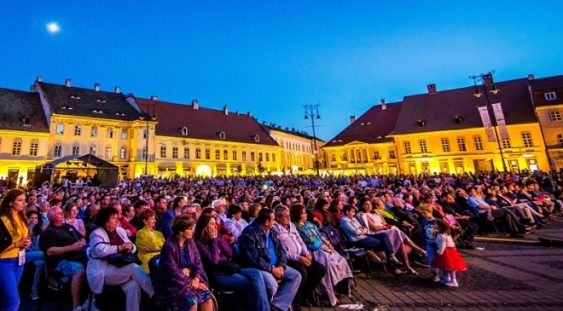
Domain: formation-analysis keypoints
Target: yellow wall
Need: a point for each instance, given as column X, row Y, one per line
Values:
column 551, row 130
column 362, row 158
column 435, row 160
column 23, row 164
column 297, row 152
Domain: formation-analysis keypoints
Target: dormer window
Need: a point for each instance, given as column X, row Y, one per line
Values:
column 256, row 138
column 67, row 108
column 120, row 114
column 98, row 111
column 550, row 96
column 184, row 131
column 101, row 101
column 74, row 97
column 221, row 135
column 26, row 122
column 458, row 119
column 421, row 123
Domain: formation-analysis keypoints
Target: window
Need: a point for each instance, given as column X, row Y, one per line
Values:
column 94, row 131
column 478, row 143
column 244, row 155
column 423, row 146
column 260, row 159
column 108, row 153
column 550, row 96
column 235, row 155
column 273, row 157
column 257, row 138
column 122, row 153
column 77, row 130
column 207, row 153
column 184, row 131
column 174, row 152
column 163, row 151
column 17, row 147
column 33, row 148
column 445, row 144
column 92, row 149
column 217, row 154
column 407, row 146
column 110, row 132
column 505, row 143
column 267, row 157
column 187, row 153
column 527, row 139
column 198, row 153
column 252, row 157
column 560, row 140
column 225, row 155
column 392, row 154
column 145, row 133
column 124, row 134
column 554, row 116
column 60, row 128
column 333, row 157
column 58, row 151
column 345, row 156
column 376, row 155
column 221, row 135
column 75, row 150
column 461, row 144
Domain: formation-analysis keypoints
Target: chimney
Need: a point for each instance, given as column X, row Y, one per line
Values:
column 154, row 97
column 488, row 79
column 39, row 78
column 225, row 110
column 431, row 88
column 352, row 119
column 531, row 77
column 67, row 83
column 117, row 89
column 249, row 114
column 383, row 104
column 96, row 87
column 195, row 104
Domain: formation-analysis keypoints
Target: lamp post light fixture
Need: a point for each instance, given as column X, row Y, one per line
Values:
column 488, row 86
column 312, row 113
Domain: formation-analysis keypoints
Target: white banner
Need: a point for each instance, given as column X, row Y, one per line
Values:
column 484, row 112
column 501, row 123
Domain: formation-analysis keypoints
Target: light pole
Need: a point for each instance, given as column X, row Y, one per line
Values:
column 489, row 87
column 312, row 112
column 148, row 117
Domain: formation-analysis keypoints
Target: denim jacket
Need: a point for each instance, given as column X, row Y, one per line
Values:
column 253, row 250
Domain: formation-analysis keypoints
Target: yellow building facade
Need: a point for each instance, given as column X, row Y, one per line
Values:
column 297, row 150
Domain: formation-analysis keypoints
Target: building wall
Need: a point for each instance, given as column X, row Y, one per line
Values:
column 297, row 152
column 551, row 120
column 362, row 158
column 473, row 158
column 18, row 160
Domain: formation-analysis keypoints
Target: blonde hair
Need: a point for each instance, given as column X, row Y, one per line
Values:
column 426, row 210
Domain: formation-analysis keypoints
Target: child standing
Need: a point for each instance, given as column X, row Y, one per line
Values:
column 447, row 257
column 428, row 237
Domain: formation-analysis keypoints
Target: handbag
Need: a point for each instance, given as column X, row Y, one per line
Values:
column 228, row 267
column 122, row 259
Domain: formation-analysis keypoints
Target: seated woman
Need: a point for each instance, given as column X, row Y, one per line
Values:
column 34, row 254
column 106, row 240
column 395, row 239
column 337, row 268
column 234, row 221
column 181, row 278
column 70, row 218
column 148, row 241
column 217, row 254
column 359, row 236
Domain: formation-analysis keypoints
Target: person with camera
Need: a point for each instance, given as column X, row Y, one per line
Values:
column 112, row 260
column 223, row 272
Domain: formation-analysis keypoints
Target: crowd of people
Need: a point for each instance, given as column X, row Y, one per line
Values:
column 278, row 242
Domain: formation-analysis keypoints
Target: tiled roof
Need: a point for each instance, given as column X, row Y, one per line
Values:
column 441, row 110
column 22, row 111
column 289, row 131
column 88, row 102
column 204, row 123
column 374, row 126
column 547, row 85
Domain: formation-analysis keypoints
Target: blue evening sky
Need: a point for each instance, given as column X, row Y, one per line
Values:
column 273, row 57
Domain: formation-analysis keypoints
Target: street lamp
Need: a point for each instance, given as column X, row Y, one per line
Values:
column 312, row 113
column 488, row 85
column 149, row 117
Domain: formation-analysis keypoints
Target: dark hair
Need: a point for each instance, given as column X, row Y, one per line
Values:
column 140, row 203
column 320, row 203
column 207, row 210
column 146, row 214
column 177, row 200
column 443, row 226
column 104, row 215
column 348, row 208
column 295, row 212
column 68, row 207
column 263, row 216
column 200, row 234
column 6, row 209
column 333, row 207
column 252, row 208
column 160, row 197
column 37, row 228
column 233, row 209
column 180, row 223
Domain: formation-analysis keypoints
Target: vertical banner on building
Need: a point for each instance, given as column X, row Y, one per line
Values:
column 484, row 113
column 501, row 123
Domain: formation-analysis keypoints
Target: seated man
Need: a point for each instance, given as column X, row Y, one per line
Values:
column 260, row 248
column 299, row 257
column 63, row 246
column 491, row 213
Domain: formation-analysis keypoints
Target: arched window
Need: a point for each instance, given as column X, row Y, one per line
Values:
column 122, row 153
column 184, row 131
column 94, row 131
column 93, row 149
column 34, row 147
column 108, row 153
column 257, row 138
column 58, row 151
column 221, row 135
column 77, row 130
column 76, row 150
column 60, row 128
column 17, row 147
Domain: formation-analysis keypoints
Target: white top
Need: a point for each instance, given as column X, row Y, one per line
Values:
column 443, row 241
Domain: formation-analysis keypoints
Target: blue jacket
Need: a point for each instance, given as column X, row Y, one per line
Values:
column 253, row 251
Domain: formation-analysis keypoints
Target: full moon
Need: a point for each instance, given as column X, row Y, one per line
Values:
column 53, row 27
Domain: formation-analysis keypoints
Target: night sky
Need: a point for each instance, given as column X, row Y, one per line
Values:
column 273, row 57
